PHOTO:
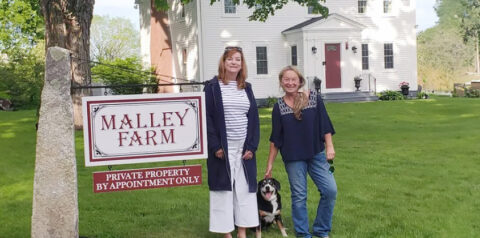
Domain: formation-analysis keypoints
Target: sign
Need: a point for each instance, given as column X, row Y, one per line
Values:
column 121, row 180
column 144, row 128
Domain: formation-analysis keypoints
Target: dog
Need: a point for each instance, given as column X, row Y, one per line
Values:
column 269, row 206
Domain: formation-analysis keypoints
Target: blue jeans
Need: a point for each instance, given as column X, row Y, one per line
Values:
column 317, row 167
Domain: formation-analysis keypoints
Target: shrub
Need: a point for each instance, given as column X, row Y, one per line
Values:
column 126, row 71
column 389, row 95
column 22, row 76
column 472, row 93
column 422, row 95
column 271, row 101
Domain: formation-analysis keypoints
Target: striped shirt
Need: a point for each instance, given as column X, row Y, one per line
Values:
column 235, row 107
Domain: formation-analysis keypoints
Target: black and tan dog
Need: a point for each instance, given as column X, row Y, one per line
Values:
column 269, row 205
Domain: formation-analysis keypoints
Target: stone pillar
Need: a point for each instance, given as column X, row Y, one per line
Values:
column 55, row 196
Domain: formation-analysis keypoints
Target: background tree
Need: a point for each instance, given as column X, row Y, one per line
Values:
column 127, row 71
column 67, row 25
column 21, row 52
column 443, row 56
column 21, row 25
column 22, row 76
column 470, row 26
column 113, row 38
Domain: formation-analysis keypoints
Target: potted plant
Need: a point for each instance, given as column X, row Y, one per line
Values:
column 357, row 80
column 404, row 86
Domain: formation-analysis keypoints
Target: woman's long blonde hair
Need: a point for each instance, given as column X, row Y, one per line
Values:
column 242, row 74
column 301, row 100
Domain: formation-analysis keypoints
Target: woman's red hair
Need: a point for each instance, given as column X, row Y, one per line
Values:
column 222, row 71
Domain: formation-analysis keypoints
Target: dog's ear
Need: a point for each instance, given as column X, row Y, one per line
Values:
column 259, row 185
column 276, row 184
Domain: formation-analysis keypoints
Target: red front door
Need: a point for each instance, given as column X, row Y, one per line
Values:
column 332, row 66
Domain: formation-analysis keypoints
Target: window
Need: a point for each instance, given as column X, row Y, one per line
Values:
column 388, row 54
column 362, row 6
column 230, row 7
column 184, row 56
column 310, row 10
column 183, row 10
column 262, row 63
column 294, row 55
column 365, row 56
column 387, row 6
column 184, row 61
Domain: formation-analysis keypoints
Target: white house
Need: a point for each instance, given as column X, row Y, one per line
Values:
column 374, row 39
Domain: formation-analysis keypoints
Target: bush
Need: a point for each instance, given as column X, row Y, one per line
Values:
column 422, row 95
column 22, row 76
column 271, row 101
column 389, row 95
column 472, row 93
column 126, row 71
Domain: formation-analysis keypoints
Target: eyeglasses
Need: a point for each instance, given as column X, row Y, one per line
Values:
column 332, row 168
column 228, row 48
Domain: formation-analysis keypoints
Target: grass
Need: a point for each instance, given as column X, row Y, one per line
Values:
column 17, row 163
column 403, row 169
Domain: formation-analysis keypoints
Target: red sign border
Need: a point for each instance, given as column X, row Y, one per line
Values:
column 90, row 159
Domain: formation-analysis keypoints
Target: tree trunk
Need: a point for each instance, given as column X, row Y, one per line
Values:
column 67, row 25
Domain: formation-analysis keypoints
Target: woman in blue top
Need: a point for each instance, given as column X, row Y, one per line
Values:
column 233, row 132
column 302, row 131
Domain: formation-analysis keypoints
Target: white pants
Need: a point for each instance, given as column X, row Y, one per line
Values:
column 237, row 207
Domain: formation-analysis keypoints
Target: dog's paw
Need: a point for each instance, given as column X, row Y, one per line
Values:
column 269, row 218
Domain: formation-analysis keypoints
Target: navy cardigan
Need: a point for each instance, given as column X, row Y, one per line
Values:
column 219, row 169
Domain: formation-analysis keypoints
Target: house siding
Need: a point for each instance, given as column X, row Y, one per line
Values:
column 219, row 30
column 249, row 35
column 145, row 16
column 184, row 31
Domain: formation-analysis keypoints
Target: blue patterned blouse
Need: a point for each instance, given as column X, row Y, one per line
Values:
column 300, row 139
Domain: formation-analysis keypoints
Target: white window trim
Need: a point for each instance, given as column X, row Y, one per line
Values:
column 291, row 56
column 183, row 10
column 366, row 8
column 395, row 57
column 369, row 57
column 310, row 15
column 393, row 11
column 229, row 15
column 269, row 59
column 184, row 60
column 174, row 15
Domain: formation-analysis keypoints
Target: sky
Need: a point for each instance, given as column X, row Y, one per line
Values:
column 118, row 8
column 426, row 16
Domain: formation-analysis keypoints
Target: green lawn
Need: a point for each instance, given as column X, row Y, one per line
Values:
column 403, row 169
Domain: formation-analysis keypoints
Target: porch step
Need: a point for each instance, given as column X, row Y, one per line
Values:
column 350, row 97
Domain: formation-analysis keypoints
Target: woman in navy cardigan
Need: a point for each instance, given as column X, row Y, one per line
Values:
column 233, row 135
column 302, row 131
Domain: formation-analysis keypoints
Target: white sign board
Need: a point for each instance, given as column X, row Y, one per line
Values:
column 144, row 128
